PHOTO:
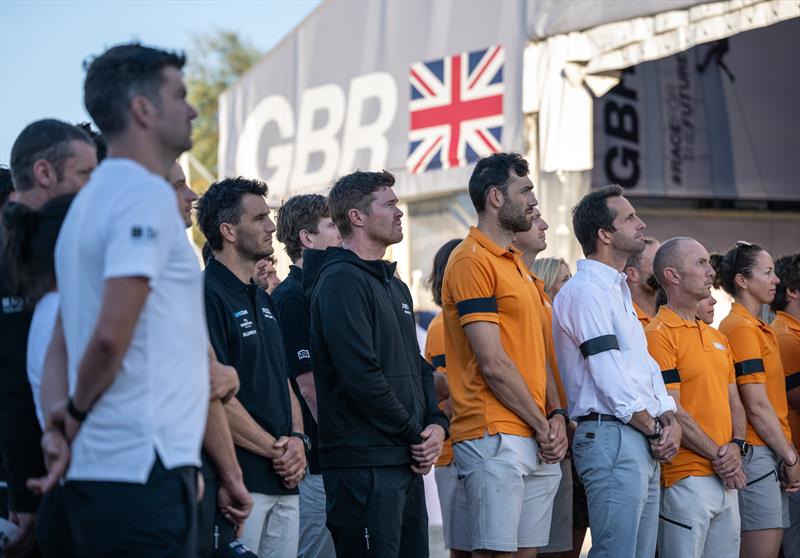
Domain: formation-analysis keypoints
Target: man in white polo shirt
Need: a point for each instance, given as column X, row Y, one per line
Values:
column 131, row 313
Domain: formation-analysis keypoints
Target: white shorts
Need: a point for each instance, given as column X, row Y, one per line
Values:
column 453, row 505
column 508, row 491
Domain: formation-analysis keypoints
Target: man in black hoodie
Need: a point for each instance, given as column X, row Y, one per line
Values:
column 379, row 425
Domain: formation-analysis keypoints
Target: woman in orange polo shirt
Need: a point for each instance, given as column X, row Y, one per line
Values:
column 746, row 272
column 445, row 471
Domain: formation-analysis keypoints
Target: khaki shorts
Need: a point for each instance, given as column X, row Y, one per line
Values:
column 762, row 503
column 508, row 492
column 561, row 524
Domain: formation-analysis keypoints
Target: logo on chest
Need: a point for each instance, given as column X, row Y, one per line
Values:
column 13, row 304
column 268, row 314
column 406, row 308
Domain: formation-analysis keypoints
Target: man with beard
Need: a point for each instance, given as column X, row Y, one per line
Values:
column 264, row 417
column 379, row 425
column 507, row 446
column 614, row 388
column 641, row 281
column 699, row 504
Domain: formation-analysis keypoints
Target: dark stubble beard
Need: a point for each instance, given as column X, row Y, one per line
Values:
column 513, row 218
column 249, row 253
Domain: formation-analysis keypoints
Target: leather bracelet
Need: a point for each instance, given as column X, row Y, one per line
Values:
column 561, row 412
column 74, row 412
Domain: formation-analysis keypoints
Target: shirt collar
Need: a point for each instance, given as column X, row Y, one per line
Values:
column 295, row 273
column 608, row 274
column 743, row 312
column 790, row 321
column 491, row 246
column 670, row 318
column 226, row 276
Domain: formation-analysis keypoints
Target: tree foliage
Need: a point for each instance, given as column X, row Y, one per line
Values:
column 215, row 62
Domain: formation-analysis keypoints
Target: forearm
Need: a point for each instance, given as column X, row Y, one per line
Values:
column 297, row 413
column 96, row 372
column 218, row 443
column 738, row 415
column 308, row 390
column 643, row 422
column 765, row 422
column 247, row 433
column 694, row 438
column 553, row 400
column 54, row 387
column 507, row 385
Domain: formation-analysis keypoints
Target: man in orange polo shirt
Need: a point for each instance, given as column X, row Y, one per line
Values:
column 786, row 326
column 699, row 513
column 639, row 276
column 506, row 445
column 531, row 243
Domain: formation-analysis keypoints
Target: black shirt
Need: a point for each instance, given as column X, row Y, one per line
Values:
column 294, row 315
column 20, row 434
column 244, row 331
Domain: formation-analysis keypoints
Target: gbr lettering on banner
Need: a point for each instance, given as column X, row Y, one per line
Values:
column 338, row 139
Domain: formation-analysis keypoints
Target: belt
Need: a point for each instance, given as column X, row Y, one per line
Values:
column 594, row 417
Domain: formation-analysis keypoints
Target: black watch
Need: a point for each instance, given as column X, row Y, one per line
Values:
column 306, row 440
column 744, row 447
column 659, row 430
column 561, row 412
column 74, row 412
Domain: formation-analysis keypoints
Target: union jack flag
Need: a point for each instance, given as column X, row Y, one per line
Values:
column 456, row 109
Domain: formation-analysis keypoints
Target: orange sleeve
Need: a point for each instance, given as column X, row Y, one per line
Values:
column 434, row 343
column 471, row 286
column 662, row 348
column 747, row 358
column 790, row 357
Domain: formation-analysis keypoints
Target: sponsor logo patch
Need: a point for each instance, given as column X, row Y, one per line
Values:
column 144, row 234
column 240, row 313
column 303, row 353
column 719, row 346
column 246, row 323
column 268, row 314
column 13, row 304
column 406, row 308
column 249, row 333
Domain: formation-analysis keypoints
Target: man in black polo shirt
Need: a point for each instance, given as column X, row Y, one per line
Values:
column 380, row 426
column 304, row 221
column 265, row 418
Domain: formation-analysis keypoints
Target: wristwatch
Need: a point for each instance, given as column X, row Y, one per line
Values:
column 744, row 447
column 659, row 430
column 304, row 438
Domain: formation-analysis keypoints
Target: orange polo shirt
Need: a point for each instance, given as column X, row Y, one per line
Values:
column 547, row 333
column 757, row 360
column 644, row 319
column 695, row 361
column 434, row 353
column 787, row 330
column 485, row 282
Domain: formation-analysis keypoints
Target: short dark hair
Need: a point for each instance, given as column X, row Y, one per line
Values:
column 301, row 212
column 435, row 279
column 97, row 138
column 222, row 203
column 667, row 256
column 740, row 258
column 207, row 252
column 787, row 268
column 118, row 75
column 355, row 191
column 494, row 172
column 592, row 214
column 635, row 260
column 47, row 139
column 6, row 184
column 714, row 260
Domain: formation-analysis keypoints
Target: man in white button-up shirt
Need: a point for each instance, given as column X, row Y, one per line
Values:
column 614, row 388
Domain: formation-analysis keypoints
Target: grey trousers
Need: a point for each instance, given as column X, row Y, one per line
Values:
column 315, row 539
column 622, row 489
